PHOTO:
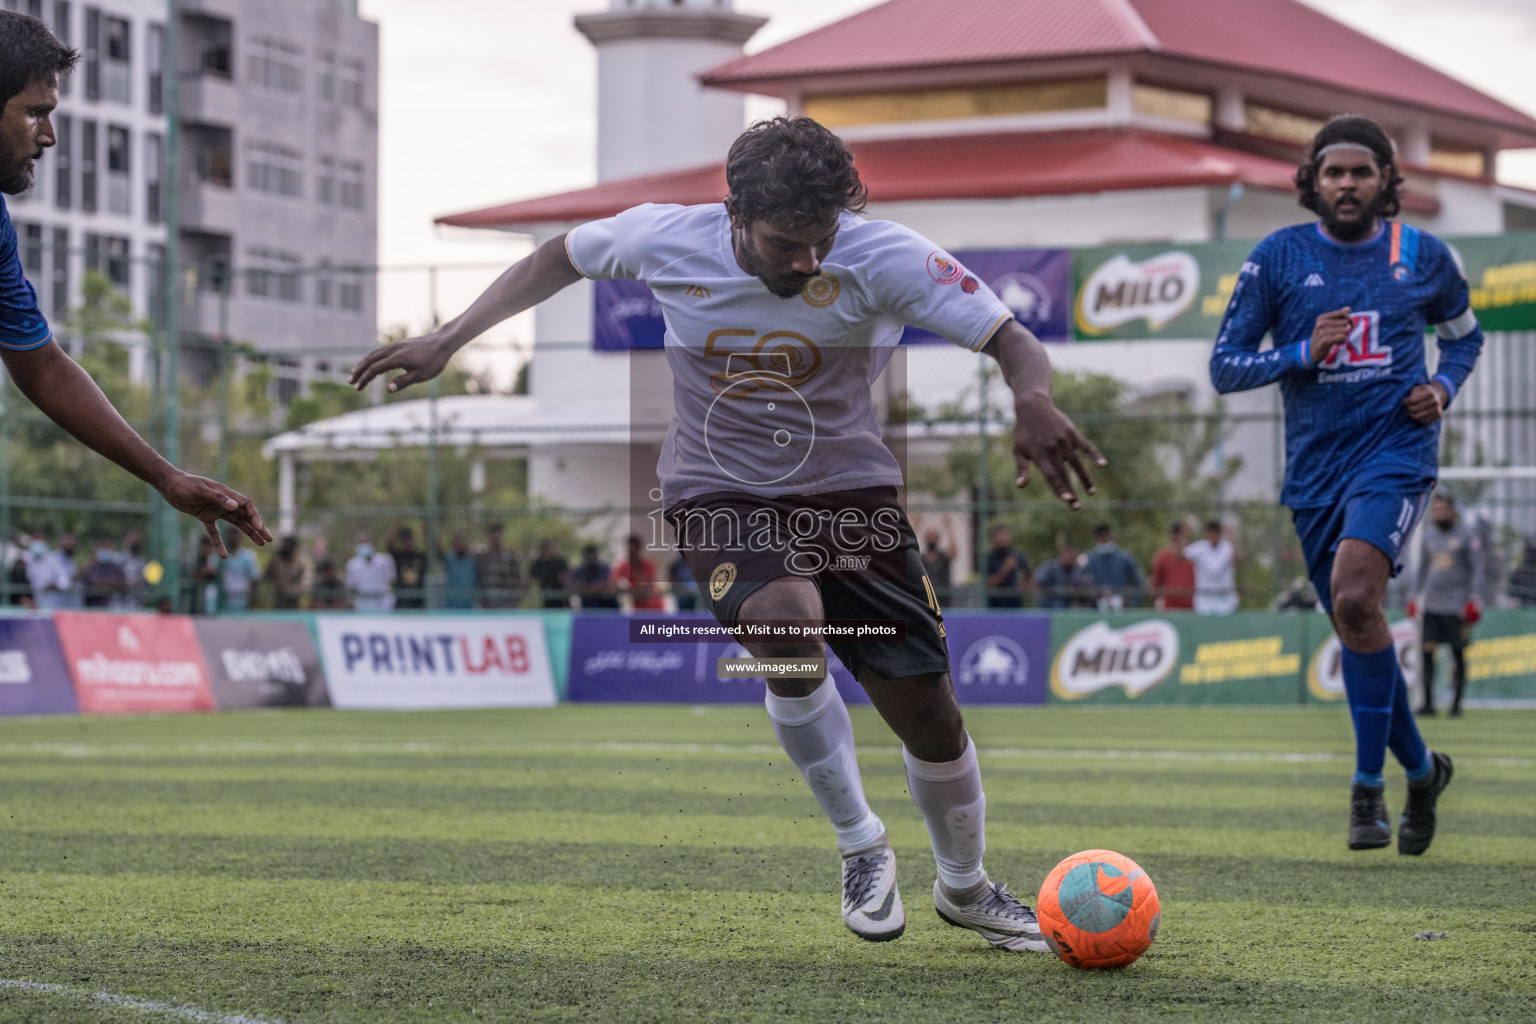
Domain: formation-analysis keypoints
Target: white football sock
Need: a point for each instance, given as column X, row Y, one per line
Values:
column 955, row 810
column 816, row 733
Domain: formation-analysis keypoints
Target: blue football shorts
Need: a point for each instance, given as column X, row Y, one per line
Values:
column 1381, row 507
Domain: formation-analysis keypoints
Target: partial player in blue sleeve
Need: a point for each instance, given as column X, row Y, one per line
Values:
column 31, row 61
column 1346, row 302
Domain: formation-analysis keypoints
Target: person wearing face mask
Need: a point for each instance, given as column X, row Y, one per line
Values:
column 370, row 576
column 1347, row 300
column 1448, row 588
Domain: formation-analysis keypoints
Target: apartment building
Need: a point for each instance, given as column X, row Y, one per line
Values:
column 276, row 171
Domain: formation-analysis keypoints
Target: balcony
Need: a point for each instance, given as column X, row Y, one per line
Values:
column 209, row 207
column 209, row 99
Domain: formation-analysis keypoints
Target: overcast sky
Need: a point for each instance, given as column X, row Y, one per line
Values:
column 485, row 101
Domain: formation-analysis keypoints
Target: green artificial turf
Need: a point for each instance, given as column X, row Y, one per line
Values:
column 667, row 864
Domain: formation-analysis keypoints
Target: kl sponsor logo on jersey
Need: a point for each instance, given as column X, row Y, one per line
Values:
column 1362, row 349
column 1121, row 291
column 994, row 661
column 1136, row 658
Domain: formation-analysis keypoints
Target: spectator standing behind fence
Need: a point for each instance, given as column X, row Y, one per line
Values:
column 20, row 583
column 637, row 576
column 1215, row 558
column 461, row 574
column 552, row 573
column 592, row 581
column 501, row 573
column 1173, row 574
column 104, row 579
column 1007, row 571
column 1522, row 582
column 1448, row 587
column 330, row 591
column 288, row 575
column 685, row 589
column 937, row 562
column 238, row 576
column 410, row 570
column 205, row 578
column 132, row 556
column 1063, row 582
column 1114, row 571
column 370, row 577
column 69, row 573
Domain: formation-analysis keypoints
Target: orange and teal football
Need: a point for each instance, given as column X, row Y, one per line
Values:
column 1098, row 909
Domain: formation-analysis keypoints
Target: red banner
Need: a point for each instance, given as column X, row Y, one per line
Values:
column 134, row 662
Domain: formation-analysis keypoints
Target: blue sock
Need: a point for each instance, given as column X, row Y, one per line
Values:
column 1368, row 683
column 1404, row 739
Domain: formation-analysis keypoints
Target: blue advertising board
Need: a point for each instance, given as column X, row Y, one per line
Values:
column 1035, row 283
column 34, row 678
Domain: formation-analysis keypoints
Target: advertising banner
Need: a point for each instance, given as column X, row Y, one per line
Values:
column 1325, row 668
column 607, row 666
column 999, row 659
column 1501, row 274
column 625, row 315
column 134, row 662
column 33, row 676
column 1035, row 283
column 439, row 662
column 254, row 663
column 1154, row 291
column 1244, row 658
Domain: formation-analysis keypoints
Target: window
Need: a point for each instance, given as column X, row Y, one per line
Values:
column 273, row 275
column 108, row 254
column 31, row 237
column 88, row 166
column 116, row 74
column 328, row 77
column 1456, row 160
column 63, row 161
column 349, row 293
column 1171, row 104
column 117, row 149
column 61, row 30
column 324, row 293
column 274, row 64
column 154, row 177
column 119, row 187
column 59, row 279
column 154, row 60
column 325, row 181
column 1280, row 124
column 92, row 56
column 944, row 104
column 274, row 169
column 349, row 185
column 350, row 84
column 155, row 266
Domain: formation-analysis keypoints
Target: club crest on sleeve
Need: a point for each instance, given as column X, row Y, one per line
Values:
column 721, row 579
column 943, row 268
column 822, row 290
column 969, row 285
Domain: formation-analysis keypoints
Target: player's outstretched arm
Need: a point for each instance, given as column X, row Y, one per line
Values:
column 66, row 394
column 526, row 283
column 1042, row 434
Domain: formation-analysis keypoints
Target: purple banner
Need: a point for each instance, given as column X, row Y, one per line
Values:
column 625, row 315
column 34, row 679
column 1035, row 283
column 605, row 666
column 994, row 659
column 999, row 659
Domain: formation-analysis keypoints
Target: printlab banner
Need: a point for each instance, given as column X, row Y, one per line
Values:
column 254, row 663
column 1035, row 283
column 438, row 662
column 134, row 663
column 606, row 666
column 995, row 659
column 33, row 676
column 1244, row 658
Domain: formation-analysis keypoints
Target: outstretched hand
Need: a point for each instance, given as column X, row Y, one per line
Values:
column 210, row 501
column 421, row 358
column 1043, row 434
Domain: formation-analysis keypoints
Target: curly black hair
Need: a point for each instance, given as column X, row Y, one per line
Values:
column 792, row 172
column 29, row 53
column 1361, row 131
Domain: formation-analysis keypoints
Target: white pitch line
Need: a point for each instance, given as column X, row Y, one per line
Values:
column 180, row 1011
column 82, row 750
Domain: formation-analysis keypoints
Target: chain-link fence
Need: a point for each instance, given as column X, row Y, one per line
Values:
column 427, row 477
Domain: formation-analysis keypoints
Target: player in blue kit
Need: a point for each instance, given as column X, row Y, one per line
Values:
column 1347, row 300
column 31, row 61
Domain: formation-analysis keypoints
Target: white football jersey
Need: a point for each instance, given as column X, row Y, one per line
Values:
column 772, row 395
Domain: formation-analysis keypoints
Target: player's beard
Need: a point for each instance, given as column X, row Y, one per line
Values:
column 16, row 180
column 1354, row 230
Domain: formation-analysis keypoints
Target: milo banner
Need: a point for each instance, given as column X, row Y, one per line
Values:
column 1501, row 660
column 1245, row 658
column 1136, row 292
column 1501, row 273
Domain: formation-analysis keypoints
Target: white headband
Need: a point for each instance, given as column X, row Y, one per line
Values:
column 1335, row 147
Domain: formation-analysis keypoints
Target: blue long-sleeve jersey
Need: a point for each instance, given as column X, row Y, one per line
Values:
column 1345, row 416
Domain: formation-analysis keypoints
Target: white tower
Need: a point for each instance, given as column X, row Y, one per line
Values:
column 652, row 113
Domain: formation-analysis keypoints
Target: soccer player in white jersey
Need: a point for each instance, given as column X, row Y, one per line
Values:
column 782, row 305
